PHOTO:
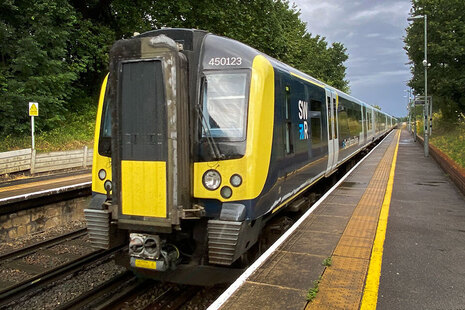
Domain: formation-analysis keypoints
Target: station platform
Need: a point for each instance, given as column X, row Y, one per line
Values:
column 19, row 191
column 334, row 257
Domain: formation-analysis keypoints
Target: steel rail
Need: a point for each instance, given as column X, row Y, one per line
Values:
column 42, row 245
column 121, row 286
column 39, row 281
column 174, row 299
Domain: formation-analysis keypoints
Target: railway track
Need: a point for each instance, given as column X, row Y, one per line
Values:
column 43, row 245
column 39, row 277
column 174, row 298
column 108, row 294
column 121, row 291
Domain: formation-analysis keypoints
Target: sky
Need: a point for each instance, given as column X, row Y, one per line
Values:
column 372, row 31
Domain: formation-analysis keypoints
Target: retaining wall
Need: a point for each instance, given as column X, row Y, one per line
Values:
column 36, row 220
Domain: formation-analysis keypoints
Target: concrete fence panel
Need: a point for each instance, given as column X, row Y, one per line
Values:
column 24, row 160
column 15, row 161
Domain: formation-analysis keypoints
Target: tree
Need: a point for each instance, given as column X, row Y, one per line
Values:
column 34, row 67
column 446, row 53
column 55, row 52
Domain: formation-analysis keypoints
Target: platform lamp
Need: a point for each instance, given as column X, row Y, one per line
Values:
column 426, row 65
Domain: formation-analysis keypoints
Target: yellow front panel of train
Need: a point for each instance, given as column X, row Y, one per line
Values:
column 143, row 188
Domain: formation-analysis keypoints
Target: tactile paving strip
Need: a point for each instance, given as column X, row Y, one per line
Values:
column 341, row 286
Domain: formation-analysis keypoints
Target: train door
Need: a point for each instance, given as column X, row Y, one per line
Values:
column 333, row 141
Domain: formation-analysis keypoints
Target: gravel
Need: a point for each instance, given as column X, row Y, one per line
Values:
column 72, row 286
column 200, row 301
column 31, row 239
column 72, row 248
column 205, row 298
column 12, row 275
column 43, row 260
column 147, row 297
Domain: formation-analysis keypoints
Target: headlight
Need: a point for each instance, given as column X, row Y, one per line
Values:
column 102, row 174
column 235, row 180
column 226, row 192
column 211, row 179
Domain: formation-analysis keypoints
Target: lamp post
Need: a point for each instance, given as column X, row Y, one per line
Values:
column 409, row 126
column 425, row 64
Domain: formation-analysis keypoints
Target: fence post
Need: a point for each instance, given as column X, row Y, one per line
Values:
column 84, row 161
column 33, row 161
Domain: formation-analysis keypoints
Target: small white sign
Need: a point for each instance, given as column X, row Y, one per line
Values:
column 33, row 109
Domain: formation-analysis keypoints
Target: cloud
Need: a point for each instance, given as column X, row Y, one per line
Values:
column 379, row 78
column 387, row 11
column 373, row 35
column 372, row 32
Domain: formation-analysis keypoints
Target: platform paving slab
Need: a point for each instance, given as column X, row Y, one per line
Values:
column 423, row 263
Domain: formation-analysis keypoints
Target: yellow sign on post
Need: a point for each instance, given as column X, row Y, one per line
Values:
column 33, row 109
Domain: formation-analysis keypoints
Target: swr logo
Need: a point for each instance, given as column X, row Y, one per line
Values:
column 303, row 115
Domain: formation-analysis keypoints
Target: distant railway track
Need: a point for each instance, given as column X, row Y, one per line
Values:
column 37, row 281
column 43, row 245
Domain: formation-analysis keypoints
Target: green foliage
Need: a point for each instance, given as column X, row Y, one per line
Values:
column 449, row 137
column 55, row 52
column 327, row 262
column 75, row 132
column 312, row 292
column 46, row 50
column 446, row 53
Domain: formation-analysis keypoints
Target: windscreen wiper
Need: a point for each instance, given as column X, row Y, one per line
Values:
column 211, row 142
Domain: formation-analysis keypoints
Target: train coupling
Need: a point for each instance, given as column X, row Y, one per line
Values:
column 150, row 252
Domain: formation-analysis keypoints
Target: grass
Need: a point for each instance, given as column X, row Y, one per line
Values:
column 327, row 262
column 448, row 137
column 74, row 133
column 311, row 294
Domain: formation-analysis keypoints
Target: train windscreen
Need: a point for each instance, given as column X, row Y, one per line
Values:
column 225, row 105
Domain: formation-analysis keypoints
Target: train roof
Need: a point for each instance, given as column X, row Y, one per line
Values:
column 218, row 46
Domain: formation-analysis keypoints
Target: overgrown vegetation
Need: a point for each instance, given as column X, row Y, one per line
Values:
column 447, row 136
column 446, row 74
column 327, row 262
column 76, row 132
column 55, row 52
column 313, row 291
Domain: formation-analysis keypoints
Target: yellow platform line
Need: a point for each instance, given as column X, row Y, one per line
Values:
column 370, row 294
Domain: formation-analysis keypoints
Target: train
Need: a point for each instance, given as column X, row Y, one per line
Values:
column 200, row 141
